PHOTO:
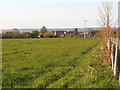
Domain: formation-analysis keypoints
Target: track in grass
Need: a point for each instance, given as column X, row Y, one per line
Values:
column 36, row 63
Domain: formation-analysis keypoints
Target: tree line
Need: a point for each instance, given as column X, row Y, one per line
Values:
column 15, row 33
column 43, row 33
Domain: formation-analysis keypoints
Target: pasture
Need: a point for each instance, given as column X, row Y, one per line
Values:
column 54, row 63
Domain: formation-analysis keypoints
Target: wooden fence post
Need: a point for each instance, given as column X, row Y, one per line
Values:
column 108, row 44
column 116, row 58
column 119, row 58
column 119, row 78
column 112, row 55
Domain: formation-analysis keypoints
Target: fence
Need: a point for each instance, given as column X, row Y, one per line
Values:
column 115, row 56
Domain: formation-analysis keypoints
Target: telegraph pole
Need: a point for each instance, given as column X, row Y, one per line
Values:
column 85, row 21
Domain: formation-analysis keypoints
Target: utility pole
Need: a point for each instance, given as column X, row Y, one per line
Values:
column 85, row 21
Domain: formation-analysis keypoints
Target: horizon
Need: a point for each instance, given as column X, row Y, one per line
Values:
column 51, row 28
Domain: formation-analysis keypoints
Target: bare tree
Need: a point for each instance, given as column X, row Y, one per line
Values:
column 106, row 22
column 110, row 36
column 106, row 14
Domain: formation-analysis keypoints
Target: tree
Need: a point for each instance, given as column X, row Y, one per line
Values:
column 106, row 22
column 49, row 34
column 75, row 31
column 110, row 37
column 106, row 15
column 26, row 34
column 34, row 33
column 43, row 30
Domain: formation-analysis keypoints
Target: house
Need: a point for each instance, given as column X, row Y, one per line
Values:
column 60, row 33
column 94, row 33
column 69, row 33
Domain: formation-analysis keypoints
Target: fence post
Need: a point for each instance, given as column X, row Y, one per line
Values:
column 108, row 43
column 112, row 57
column 119, row 77
column 119, row 58
column 116, row 58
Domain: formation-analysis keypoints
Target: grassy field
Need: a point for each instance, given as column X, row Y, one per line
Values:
column 54, row 63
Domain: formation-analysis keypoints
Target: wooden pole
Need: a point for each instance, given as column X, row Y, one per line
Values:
column 119, row 58
column 119, row 77
column 112, row 57
column 108, row 44
column 116, row 57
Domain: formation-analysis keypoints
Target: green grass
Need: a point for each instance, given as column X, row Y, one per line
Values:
column 54, row 63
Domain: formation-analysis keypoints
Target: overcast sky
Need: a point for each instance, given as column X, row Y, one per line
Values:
column 51, row 13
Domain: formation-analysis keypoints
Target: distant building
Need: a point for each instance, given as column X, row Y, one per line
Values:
column 69, row 33
column 94, row 33
column 1, row 32
column 60, row 33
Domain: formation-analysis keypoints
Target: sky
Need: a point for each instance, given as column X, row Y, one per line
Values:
column 50, row 13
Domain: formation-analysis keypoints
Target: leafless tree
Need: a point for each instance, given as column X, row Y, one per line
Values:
column 110, row 40
column 106, row 14
column 106, row 22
